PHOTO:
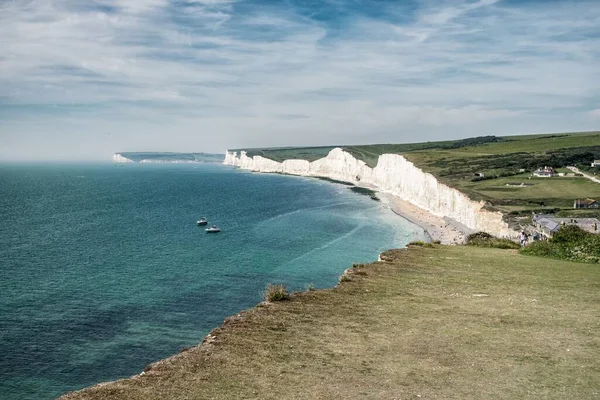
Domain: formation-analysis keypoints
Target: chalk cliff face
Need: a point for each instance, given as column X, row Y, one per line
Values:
column 118, row 158
column 393, row 174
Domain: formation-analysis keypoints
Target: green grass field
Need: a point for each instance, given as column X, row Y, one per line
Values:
column 448, row 322
column 558, row 192
column 429, row 151
column 297, row 153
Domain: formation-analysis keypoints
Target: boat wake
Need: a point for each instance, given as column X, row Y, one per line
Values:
column 323, row 247
column 279, row 216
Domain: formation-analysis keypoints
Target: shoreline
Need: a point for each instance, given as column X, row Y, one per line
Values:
column 445, row 231
column 435, row 229
column 345, row 341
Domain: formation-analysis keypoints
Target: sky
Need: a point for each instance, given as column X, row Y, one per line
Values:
column 80, row 80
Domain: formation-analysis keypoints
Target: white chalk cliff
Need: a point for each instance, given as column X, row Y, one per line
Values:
column 393, row 174
column 118, row 158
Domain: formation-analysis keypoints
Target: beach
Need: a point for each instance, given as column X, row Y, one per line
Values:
column 439, row 229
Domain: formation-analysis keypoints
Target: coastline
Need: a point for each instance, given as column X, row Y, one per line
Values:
column 207, row 343
column 402, row 327
column 438, row 229
column 395, row 175
column 435, row 228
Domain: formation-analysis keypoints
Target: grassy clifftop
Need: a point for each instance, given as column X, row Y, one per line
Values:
column 506, row 163
column 448, row 322
column 453, row 149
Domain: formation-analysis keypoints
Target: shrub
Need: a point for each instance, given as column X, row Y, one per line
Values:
column 589, row 213
column 345, row 278
column 569, row 243
column 569, row 234
column 541, row 248
column 483, row 239
column 420, row 243
column 275, row 293
column 478, row 235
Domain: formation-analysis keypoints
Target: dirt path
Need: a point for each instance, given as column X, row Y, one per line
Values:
column 590, row 177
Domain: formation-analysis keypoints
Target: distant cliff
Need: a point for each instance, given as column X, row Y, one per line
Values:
column 393, row 174
column 156, row 157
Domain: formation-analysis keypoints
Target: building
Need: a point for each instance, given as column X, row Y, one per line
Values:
column 548, row 225
column 596, row 163
column 545, row 225
column 587, row 203
column 545, row 172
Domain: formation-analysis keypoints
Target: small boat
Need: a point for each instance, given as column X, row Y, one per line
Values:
column 213, row 229
column 202, row 221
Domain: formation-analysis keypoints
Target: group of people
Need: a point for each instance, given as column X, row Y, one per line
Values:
column 525, row 238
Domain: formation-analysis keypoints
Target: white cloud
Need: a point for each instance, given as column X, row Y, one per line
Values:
column 275, row 76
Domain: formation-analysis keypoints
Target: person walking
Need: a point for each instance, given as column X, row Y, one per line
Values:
column 523, row 239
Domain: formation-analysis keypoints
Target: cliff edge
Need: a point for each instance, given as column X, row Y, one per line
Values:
column 393, row 174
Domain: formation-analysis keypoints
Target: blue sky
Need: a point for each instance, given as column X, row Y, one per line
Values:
column 84, row 79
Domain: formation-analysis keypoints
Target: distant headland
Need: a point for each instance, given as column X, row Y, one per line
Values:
column 166, row 157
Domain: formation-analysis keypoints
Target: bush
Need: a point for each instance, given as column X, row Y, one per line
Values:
column 585, row 213
column 541, row 248
column 420, row 243
column 275, row 293
column 569, row 234
column 478, row 235
column 569, row 243
column 483, row 239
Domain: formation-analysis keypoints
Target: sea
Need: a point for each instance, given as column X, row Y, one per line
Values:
column 103, row 269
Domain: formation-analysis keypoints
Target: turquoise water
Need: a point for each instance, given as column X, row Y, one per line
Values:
column 104, row 270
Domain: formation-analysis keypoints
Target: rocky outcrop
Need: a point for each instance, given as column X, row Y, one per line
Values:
column 393, row 174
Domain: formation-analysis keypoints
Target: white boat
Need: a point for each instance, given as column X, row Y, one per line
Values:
column 213, row 229
column 202, row 221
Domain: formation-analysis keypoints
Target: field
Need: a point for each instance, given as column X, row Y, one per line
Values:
column 449, row 322
column 501, row 163
column 298, row 153
column 550, row 193
column 499, row 159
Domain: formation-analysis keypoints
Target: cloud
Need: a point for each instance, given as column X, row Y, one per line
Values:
column 223, row 73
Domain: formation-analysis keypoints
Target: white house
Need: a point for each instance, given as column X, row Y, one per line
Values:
column 545, row 172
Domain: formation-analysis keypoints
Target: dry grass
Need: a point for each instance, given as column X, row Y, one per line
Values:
column 429, row 323
column 275, row 293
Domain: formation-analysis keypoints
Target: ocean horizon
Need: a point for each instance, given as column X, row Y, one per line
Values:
column 105, row 271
